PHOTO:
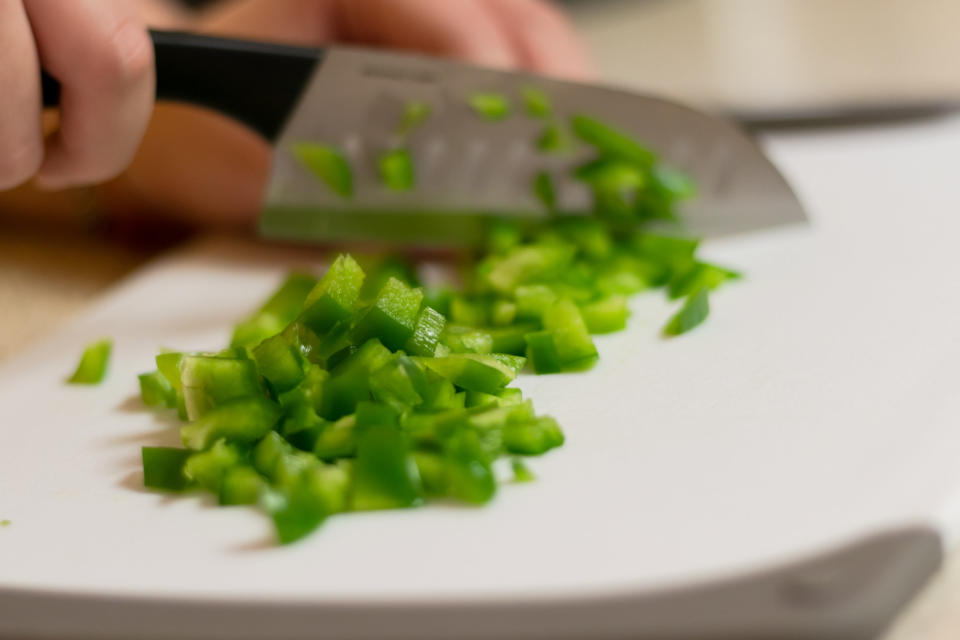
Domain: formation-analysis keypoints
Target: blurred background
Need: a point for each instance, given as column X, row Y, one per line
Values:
column 777, row 60
column 768, row 63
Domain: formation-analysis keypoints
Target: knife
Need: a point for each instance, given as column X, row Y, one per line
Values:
column 467, row 168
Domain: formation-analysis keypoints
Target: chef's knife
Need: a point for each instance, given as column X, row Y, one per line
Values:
column 466, row 167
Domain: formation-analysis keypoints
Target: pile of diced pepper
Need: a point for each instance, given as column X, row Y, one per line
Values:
column 368, row 391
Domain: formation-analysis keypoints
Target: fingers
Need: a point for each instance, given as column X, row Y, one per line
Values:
column 103, row 58
column 461, row 29
column 542, row 38
column 21, row 140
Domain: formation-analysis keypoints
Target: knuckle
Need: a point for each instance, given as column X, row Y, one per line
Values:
column 19, row 162
column 126, row 56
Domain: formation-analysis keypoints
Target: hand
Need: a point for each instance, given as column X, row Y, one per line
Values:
column 201, row 168
column 512, row 34
column 100, row 53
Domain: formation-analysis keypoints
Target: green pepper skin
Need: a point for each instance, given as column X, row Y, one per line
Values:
column 392, row 317
column 92, row 367
column 385, row 474
column 694, row 311
column 156, row 390
column 328, row 164
column 163, row 468
column 243, row 420
column 334, row 298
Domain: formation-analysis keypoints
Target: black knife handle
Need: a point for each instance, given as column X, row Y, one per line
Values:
column 257, row 83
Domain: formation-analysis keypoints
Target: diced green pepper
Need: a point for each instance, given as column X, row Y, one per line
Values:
column 93, row 363
column 277, row 312
column 527, row 264
column 570, row 335
column 241, row 420
column 241, row 485
column 700, row 275
column 606, row 315
column 156, row 391
column 426, row 333
column 207, row 468
column 337, row 440
column 396, row 170
column 397, row 384
column 611, row 142
column 474, row 372
column 210, row 381
column 469, row 474
column 279, row 362
column 335, row 296
column 328, row 164
column 163, row 468
column 466, row 339
column 537, row 103
column 490, row 106
column 385, row 474
column 521, row 472
column 542, row 352
column 694, row 311
column 392, row 317
column 532, row 438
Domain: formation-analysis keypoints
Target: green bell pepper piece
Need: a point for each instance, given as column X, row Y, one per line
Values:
column 542, row 352
column 392, row 317
column 700, row 275
column 396, row 170
column 163, row 468
column 277, row 312
column 521, row 472
column 337, row 440
column 328, row 164
column 532, row 438
column 207, row 468
column 335, row 296
column 210, row 381
column 694, row 311
column 610, row 142
column 474, row 372
column 385, row 475
column 537, row 103
column 606, row 315
column 574, row 345
column 466, row 339
column 426, row 333
column 156, row 391
column 490, row 106
column 93, row 363
column 241, row 485
column 468, row 470
column 279, row 362
column 240, row 420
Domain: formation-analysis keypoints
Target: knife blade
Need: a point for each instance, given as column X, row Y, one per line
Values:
column 467, row 168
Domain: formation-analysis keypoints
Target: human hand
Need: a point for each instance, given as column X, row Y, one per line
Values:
column 102, row 56
column 204, row 169
column 512, row 34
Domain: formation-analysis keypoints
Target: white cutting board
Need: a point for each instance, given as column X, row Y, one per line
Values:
column 816, row 406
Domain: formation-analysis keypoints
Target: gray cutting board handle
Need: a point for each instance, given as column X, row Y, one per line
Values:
column 847, row 594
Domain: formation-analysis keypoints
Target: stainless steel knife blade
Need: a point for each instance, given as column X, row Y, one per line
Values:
column 468, row 167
